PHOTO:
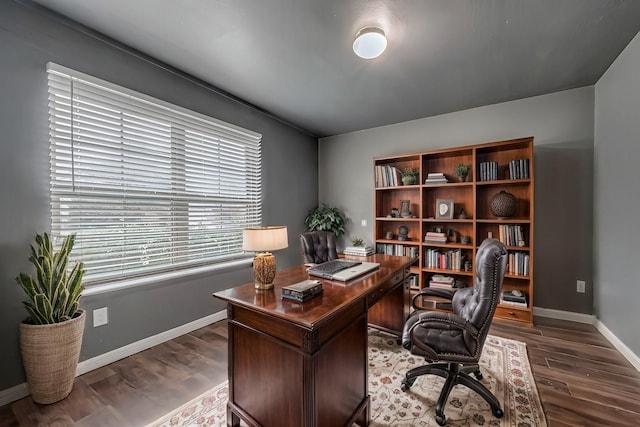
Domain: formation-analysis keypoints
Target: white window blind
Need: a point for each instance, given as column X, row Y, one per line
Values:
column 146, row 186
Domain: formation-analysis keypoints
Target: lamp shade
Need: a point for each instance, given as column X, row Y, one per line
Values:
column 370, row 42
column 264, row 239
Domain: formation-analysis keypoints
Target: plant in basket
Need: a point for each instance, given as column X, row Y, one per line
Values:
column 51, row 335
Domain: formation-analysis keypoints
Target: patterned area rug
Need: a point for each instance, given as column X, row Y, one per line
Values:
column 504, row 365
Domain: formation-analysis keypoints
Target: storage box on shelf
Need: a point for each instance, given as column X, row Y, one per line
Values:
column 451, row 216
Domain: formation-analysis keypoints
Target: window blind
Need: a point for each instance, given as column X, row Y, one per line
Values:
column 146, row 186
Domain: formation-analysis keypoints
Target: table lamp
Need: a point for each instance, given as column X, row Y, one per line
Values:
column 262, row 240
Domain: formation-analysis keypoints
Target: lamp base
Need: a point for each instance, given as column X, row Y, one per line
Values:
column 264, row 269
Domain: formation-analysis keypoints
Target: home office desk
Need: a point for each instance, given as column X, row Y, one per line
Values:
column 305, row 364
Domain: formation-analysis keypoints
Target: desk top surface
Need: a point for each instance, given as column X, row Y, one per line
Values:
column 335, row 296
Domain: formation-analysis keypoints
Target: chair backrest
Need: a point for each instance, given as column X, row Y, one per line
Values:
column 478, row 304
column 318, row 246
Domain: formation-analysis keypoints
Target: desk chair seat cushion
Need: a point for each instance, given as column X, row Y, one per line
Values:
column 318, row 246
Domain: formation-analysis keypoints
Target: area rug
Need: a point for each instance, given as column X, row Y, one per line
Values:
column 504, row 365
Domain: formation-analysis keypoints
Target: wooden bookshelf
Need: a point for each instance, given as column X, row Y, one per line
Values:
column 493, row 169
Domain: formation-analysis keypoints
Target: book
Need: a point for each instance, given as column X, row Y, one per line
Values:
column 302, row 291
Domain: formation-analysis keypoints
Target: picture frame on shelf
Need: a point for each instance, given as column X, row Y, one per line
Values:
column 444, row 209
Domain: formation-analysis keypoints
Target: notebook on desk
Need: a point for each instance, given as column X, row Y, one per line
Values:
column 342, row 270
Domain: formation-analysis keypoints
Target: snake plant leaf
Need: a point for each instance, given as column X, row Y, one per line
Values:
column 43, row 307
column 28, row 285
column 34, row 319
column 55, row 292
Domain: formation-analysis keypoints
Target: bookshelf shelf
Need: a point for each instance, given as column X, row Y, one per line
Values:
column 495, row 166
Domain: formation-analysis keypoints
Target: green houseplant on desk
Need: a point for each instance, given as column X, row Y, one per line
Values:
column 51, row 336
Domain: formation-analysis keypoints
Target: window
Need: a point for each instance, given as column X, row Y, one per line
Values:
column 147, row 187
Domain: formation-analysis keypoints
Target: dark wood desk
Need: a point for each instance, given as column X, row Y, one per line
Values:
column 305, row 364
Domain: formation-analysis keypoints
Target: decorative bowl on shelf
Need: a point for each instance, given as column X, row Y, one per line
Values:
column 503, row 204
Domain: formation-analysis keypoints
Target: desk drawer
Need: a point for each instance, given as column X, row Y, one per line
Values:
column 385, row 288
column 513, row 313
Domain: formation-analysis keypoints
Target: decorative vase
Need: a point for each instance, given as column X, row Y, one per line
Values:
column 503, row 204
column 50, row 356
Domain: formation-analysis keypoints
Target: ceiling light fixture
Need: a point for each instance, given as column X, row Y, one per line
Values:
column 370, row 42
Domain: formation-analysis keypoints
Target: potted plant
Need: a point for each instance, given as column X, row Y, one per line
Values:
column 409, row 176
column 324, row 218
column 462, row 171
column 357, row 241
column 51, row 335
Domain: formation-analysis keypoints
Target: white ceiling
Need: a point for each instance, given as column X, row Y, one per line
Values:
column 293, row 58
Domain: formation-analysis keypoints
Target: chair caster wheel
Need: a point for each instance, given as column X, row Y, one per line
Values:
column 406, row 384
column 497, row 412
column 441, row 420
column 478, row 375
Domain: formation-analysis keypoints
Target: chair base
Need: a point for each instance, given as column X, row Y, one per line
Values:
column 453, row 373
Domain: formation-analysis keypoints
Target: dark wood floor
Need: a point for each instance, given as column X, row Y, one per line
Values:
column 582, row 380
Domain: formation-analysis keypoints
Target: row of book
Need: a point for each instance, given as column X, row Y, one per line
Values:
column 358, row 250
column 446, row 260
column 386, row 176
column 518, row 263
column 414, row 282
column 435, row 178
column 435, row 237
column 488, row 171
column 396, row 249
column 511, row 235
column 519, row 169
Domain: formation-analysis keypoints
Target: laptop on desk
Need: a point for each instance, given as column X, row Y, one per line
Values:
column 342, row 270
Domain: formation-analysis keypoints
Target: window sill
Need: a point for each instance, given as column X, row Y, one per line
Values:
column 141, row 281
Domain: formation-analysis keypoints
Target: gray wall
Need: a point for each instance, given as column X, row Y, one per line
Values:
column 30, row 37
column 617, row 197
column 562, row 125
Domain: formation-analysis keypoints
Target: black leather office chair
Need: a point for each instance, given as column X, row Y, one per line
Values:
column 452, row 342
column 318, row 247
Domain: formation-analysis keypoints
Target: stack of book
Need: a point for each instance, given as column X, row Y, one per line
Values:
column 358, row 250
column 518, row 299
column 488, row 171
column 302, row 291
column 435, row 237
column 435, row 178
column 441, row 282
column 519, row 169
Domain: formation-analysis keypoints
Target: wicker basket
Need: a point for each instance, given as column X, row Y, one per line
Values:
column 50, row 356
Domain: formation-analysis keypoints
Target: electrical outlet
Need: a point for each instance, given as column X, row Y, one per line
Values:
column 363, row 222
column 100, row 316
column 580, row 286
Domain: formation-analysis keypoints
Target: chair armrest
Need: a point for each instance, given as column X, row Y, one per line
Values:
column 444, row 321
column 432, row 292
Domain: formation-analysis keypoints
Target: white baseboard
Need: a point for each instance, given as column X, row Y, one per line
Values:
column 619, row 345
column 564, row 315
column 13, row 393
column 21, row 390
